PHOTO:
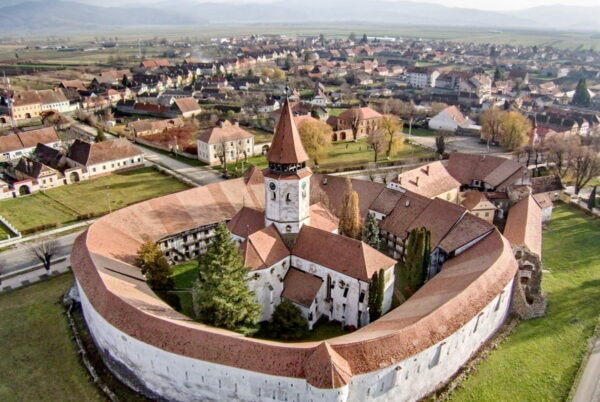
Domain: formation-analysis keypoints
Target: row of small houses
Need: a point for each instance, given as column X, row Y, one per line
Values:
column 35, row 161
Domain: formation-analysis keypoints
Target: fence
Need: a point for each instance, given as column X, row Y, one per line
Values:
column 4, row 222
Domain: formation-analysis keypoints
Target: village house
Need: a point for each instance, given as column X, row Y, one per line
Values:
column 478, row 204
column 147, row 126
column 107, row 156
column 226, row 142
column 365, row 119
column 431, row 181
column 13, row 146
column 450, row 119
column 187, row 107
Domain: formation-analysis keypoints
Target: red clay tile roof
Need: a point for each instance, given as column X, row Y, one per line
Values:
column 187, row 104
column 334, row 187
column 386, row 201
column 246, row 222
column 408, row 208
column 430, row 180
column 263, row 248
column 447, row 302
column 88, row 153
column 438, row 217
column 326, row 369
column 301, row 287
column 494, row 170
column 524, row 225
column 287, row 147
column 224, row 133
column 467, row 230
column 365, row 113
column 322, row 218
column 358, row 260
column 28, row 139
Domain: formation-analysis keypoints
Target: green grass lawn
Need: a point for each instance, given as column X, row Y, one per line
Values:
column 336, row 111
column 260, row 136
column 91, row 196
column 5, row 233
column 539, row 361
column 39, row 361
column 185, row 274
column 341, row 155
column 422, row 132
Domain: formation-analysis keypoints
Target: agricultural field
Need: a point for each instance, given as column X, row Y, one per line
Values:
column 540, row 359
column 64, row 205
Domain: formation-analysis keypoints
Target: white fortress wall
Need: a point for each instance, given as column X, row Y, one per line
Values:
column 417, row 376
column 180, row 378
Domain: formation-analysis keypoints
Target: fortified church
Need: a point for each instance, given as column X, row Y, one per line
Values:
column 293, row 249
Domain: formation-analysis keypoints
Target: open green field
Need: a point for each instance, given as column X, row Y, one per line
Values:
column 63, row 205
column 343, row 155
column 540, row 359
column 39, row 361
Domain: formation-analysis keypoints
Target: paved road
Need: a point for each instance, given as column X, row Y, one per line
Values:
column 20, row 257
column 589, row 386
column 199, row 175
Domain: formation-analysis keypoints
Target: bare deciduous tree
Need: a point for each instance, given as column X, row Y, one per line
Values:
column 585, row 165
column 44, row 251
column 376, row 141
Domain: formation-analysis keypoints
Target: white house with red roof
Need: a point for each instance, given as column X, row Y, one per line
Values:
column 450, row 119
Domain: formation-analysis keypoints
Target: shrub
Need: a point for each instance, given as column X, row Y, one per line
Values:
column 287, row 322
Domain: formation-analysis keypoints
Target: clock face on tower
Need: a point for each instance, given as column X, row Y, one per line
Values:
column 272, row 186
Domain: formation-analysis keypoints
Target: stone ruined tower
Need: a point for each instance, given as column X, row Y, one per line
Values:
column 287, row 181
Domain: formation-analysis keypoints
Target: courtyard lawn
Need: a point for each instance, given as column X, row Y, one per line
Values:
column 63, row 205
column 539, row 361
column 344, row 155
column 39, row 361
column 185, row 274
column 5, row 233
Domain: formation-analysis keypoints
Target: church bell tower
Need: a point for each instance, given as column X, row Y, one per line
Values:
column 287, row 182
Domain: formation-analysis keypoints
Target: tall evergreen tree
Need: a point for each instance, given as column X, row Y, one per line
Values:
column 125, row 81
column 154, row 266
column 221, row 293
column 418, row 257
column 582, row 96
column 364, row 39
column 380, row 292
column 592, row 201
column 373, row 298
column 370, row 234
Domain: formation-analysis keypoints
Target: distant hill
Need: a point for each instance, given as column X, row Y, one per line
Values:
column 564, row 17
column 68, row 15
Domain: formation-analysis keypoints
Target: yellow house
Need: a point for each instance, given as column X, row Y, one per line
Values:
column 26, row 105
column 478, row 204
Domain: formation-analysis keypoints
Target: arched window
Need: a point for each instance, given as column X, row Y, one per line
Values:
column 273, row 195
column 288, row 197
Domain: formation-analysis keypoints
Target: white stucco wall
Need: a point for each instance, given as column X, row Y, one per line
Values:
column 180, row 378
column 267, row 285
column 281, row 212
column 117, row 164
